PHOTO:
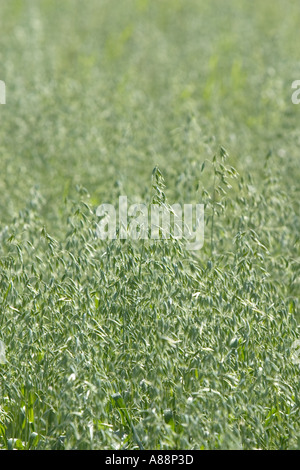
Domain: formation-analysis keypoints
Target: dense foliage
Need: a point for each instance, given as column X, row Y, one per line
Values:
column 113, row 344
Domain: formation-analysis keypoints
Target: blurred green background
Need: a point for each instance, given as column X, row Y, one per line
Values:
column 101, row 92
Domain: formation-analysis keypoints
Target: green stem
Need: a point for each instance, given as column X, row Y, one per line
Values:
column 213, row 216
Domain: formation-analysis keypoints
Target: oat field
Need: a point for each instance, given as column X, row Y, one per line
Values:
column 143, row 343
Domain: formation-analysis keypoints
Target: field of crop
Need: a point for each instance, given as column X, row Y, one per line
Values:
column 145, row 344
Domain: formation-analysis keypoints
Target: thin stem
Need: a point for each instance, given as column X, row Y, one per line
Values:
column 213, row 215
column 141, row 258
